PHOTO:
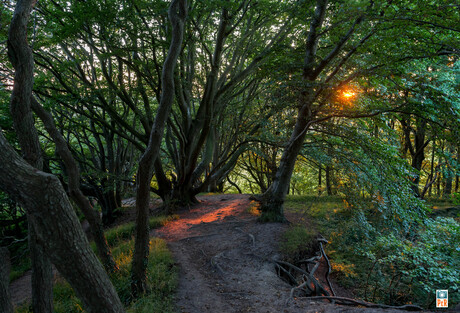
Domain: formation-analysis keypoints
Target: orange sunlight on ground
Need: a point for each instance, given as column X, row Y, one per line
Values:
column 210, row 212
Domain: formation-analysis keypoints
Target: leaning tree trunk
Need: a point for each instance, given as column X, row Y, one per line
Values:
column 177, row 13
column 6, row 305
column 273, row 198
column 21, row 58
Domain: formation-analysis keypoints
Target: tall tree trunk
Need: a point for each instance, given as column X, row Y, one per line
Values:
column 177, row 13
column 6, row 305
column 430, row 177
column 22, row 60
column 273, row 198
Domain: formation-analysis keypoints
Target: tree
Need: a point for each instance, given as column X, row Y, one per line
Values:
column 49, row 210
column 177, row 13
column 337, row 53
column 21, row 58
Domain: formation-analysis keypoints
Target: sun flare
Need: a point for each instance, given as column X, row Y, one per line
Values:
column 347, row 94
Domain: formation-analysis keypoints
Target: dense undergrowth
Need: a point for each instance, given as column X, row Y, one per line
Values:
column 161, row 274
column 385, row 265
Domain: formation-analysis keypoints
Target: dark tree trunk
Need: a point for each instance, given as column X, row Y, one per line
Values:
column 438, row 186
column 6, row 305
column 42, row 274
column 177, row 13
column 449, row 175
column 417, row 150
column 430, row 177
column 22, row 60
column 329, row 180
column 320, row 183
column 273, row 199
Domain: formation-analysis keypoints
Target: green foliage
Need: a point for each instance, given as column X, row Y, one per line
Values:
column 382, row 264
column 412, row 269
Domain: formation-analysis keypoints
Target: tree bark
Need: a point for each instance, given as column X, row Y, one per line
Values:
column 273, row 198
column 320, row 183
column 177, row 13
column 6, row 305
column 329, row 180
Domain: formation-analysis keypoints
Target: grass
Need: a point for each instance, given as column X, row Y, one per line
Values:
column 320, row 210
column 161, row 273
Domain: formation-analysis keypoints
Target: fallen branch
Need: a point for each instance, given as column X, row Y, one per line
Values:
column 349, row 301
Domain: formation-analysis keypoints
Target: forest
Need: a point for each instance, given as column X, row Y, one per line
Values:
column 317, row 139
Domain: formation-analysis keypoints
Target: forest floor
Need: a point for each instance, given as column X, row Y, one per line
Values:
column 226, row 261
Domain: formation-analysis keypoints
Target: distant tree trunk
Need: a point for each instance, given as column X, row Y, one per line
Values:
column 22, row 60
column 177, row 13
column 320, row 177
column 448, row 173
column 329, row 180
column 6, row 305
column 438, row 186
column 448, row 185
column 234, row 185
column 430, row 177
